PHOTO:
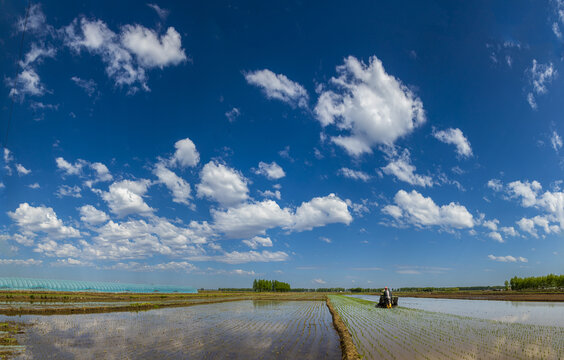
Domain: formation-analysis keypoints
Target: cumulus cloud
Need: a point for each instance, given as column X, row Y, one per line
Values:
column 68, row 168
column 526, row 191
column 496, row 236
column 413, row 208
column 186, row 154
column 258, row 241
column 40, row 219
column 507, row 258
column 271, row 194
column 93, row 172
column 402, row 169
column 126, row 198
column 278, row 86
column 321, row 211
column 540, row 75
column 354, row 174
column 91, row 215
column 491, row 224
column 319, row 281
column 273, row 171
column 456, row 138
column 251, row 219
column 369, row 106
column 128, row 54
column 529, row 225
column 220, row 183
column 179, row 188
column 255, row 218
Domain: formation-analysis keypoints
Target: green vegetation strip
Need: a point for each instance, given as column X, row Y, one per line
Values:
column 402, row 333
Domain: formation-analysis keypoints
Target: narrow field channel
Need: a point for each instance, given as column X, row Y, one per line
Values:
column 403, row 333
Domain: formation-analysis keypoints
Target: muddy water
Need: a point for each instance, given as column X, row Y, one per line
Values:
column 248, row 329
column 524, row 312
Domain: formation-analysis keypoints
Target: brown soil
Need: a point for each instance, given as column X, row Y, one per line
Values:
column 490, row 295
column 348, row 349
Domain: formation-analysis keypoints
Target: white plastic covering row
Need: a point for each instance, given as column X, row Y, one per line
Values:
column 95, row 286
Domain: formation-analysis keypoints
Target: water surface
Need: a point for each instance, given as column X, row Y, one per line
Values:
column 525, row 312
column 249, row 329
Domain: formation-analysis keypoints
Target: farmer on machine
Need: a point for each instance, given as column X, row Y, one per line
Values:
column 388, row 296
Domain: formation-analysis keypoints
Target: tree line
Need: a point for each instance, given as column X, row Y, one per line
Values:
column 270, row 285
column 549, row 281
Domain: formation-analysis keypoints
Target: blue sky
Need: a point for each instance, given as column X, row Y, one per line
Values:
column 372, row 144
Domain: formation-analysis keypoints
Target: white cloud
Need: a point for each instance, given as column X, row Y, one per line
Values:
column 529, row 225
column 415, row 209
column 22, row 170
column 151, row 49
column 258, row 241
column 496, row 236
column 507, row 258
column 130, row 53
column 319, row 281
column 255, row 218
column 237, row 257
column 491, row 224
column 66, row 190
column 101, row 171
column 26, row 83
column 509, row 231
column 243, row 272
column 69, row 168
column 89, row 86
column 495, row 184
column 251, row 219
column 91, row 215
column 179, row 187
column 32, row 220
column 232, row 114
column 527, row 191
column 371, row 107
column 325, row 239
column 556, row 141
column 403, row 170
column 456, row 138
column 162, row 13
column 185, row 154
column 222, row 184
column 556, row 30
column 354, row 174
column 540, row 75
column 278, row 86
column 20, row 262
column 273, row 171
column 32, row 186
column 321, row 211
column 271, row 194
column 126, row 198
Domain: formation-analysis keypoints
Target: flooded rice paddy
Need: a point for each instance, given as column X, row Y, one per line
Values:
column 525, row 312
column 403, row 333
column 249, row 329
